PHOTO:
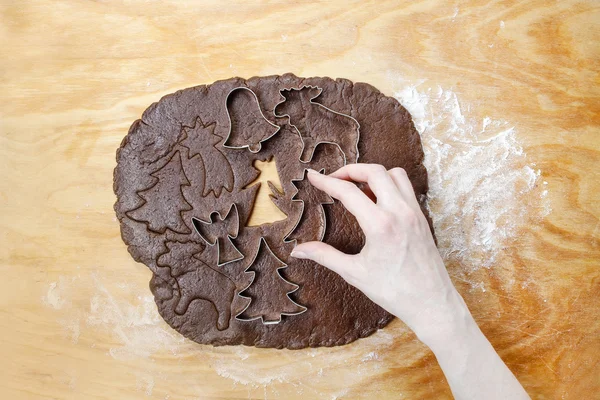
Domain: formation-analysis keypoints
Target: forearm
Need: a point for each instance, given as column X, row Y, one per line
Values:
column 471, row 365
column 400, row 269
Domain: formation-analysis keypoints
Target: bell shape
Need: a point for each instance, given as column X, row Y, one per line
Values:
column 248, row 127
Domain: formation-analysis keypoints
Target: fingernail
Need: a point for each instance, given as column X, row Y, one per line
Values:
column 298, row 254
column 312, row 171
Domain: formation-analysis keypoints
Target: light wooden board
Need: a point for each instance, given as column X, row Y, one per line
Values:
column 76, row 317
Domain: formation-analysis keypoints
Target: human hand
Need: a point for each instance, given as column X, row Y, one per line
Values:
column 399, row 267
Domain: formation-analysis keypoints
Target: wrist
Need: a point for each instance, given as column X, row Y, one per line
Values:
column 448, row 322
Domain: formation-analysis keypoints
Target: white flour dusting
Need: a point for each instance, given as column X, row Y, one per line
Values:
column 480, row 185
column 479, row 176
column 53, row 297
column 132, row 319
column 136, row 323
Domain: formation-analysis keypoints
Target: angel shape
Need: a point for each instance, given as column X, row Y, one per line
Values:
column 220, row 231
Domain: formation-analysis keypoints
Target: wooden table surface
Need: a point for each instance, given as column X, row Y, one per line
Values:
column 77, row 318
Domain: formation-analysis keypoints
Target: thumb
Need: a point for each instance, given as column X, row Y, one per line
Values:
column 325, row 255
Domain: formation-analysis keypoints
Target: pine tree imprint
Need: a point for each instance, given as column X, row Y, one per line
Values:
column 267, row 191
column 312, row 222
column 164, row 201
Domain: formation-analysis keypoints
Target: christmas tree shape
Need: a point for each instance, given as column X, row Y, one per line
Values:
column 248, row 127
column 164, row 201
column 269, row 186
column 202, row 144
column 312, row 222
column 268, row 294
column 189, row 270
column 220, row 231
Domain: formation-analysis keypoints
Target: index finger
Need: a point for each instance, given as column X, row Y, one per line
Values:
column 378, row 179
column 351, row 196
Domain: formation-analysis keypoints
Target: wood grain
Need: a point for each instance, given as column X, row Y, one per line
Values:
column 264, row 210
column 76, row 319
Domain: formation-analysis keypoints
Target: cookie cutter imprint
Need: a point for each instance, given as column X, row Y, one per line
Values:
column 285, row 238
column 228, row 237
column 186, row 130
column 320, row 105
column 247, row 146
column 304, row 309
column 147, row 223
column 262, row 238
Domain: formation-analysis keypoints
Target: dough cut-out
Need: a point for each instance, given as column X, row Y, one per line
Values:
column 248, row 127
column 187, row 269
column 220, row 231
column 312, row 223
column 164, row 201
column 184, row 201
column 267, row 181
column 318, row 124
column 266, row 269
column 203, row 146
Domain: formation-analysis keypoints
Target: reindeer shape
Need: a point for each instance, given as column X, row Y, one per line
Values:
column 196, row 280
column 317, row 124
column 216, row 288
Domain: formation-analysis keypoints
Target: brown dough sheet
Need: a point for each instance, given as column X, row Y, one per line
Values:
column 171, row 166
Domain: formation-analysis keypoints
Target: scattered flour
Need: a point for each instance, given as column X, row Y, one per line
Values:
column 479, row 181
column 145, row 384
column 132, row 319
column 479, row 176
column 53, row 297
column 136, row 323
column 370, row 356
